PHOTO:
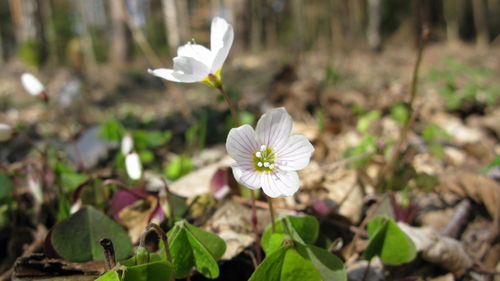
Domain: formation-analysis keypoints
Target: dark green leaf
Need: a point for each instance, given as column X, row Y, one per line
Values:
column 77, row 237
column 5, row 188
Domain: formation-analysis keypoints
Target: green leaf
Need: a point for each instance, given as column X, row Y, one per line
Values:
column 400, row 113
column 191, row 246
column 329, row 266
column 179, row 167
column 159, row 270
column 77, row 238
column 365, row 120
column 434, row 132
column 389, row 242
column 302, row 229
column 111, row 130
column 5, row 188
column 111, row 275
column 285, row 264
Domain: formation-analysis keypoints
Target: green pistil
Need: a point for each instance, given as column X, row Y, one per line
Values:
column 214, row 80
column 263, row 159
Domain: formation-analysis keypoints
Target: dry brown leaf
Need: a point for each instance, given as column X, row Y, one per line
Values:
column 435, row 248
column 136, row 216
column 479, row 188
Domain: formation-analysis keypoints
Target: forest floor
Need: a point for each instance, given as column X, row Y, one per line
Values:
column 445, row 189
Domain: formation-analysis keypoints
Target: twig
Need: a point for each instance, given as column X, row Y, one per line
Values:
column 388, row 170
column 255, row 229
column 458, row 219
column 366, row 271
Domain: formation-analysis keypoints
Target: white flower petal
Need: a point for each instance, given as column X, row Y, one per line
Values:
column 247, row 176
column 241, row 144
column 280, row 183
column 164, row 73
column 295, row 154
column 5, row 132
column 127, row 144
column 221, row 40
column 133, row 166
column 190, row 66
column 273, row 128
column 32, row 84
column 198, row 52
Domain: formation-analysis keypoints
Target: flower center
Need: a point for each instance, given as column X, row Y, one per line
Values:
column 263, row 159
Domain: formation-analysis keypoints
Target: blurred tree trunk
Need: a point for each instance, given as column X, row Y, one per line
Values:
column 271, row 24
column 49, row 31
column 256, row 24
column 298, row 26
column 356, row 18
column 176, row 22
column 374, row 21
column 86, row 38
column 480, row 23
column 337, row 33
column 24, row 17
column 118, row 49
column 452, row 15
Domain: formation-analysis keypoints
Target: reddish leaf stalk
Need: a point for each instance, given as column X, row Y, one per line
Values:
column 109, row 253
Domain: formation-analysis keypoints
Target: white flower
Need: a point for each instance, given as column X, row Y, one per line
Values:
column 133, row 166
column 127, row 144
column 32, row 85
column 269, row 157
column 196, row 63
column 5, row 132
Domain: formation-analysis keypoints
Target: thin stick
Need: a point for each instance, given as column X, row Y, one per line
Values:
column 109, row 253
column 271, row 211
column 388, row 169
column 161, row 234
column 234, row 115
column 258, row 255
column 366, row 270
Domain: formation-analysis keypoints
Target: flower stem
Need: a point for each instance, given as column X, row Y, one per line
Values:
column 109, row 253
column 236, row 121
column 234, row 115
column 161, row 234
column 258, row 256
column 271, row 211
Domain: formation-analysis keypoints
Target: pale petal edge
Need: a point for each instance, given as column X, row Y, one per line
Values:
column 295, row 154
column 280, row 183
column 274, row 127
column 247, row 177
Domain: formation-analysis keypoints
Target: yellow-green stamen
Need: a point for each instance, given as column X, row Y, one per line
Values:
column 263, row 159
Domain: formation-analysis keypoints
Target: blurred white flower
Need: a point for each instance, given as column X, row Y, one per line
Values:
column 196, row 63
column 133, row 166
column 269, row 157
column 33, row 85
column 5, row 132
column 127, row 144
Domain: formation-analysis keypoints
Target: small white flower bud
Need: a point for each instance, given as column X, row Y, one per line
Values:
column 266, row 164
column 127, row 144
column 32, row 84
column 258, row 154
column 5, row 132
column 262, row 147
column 259, row 164
column 133, row 166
